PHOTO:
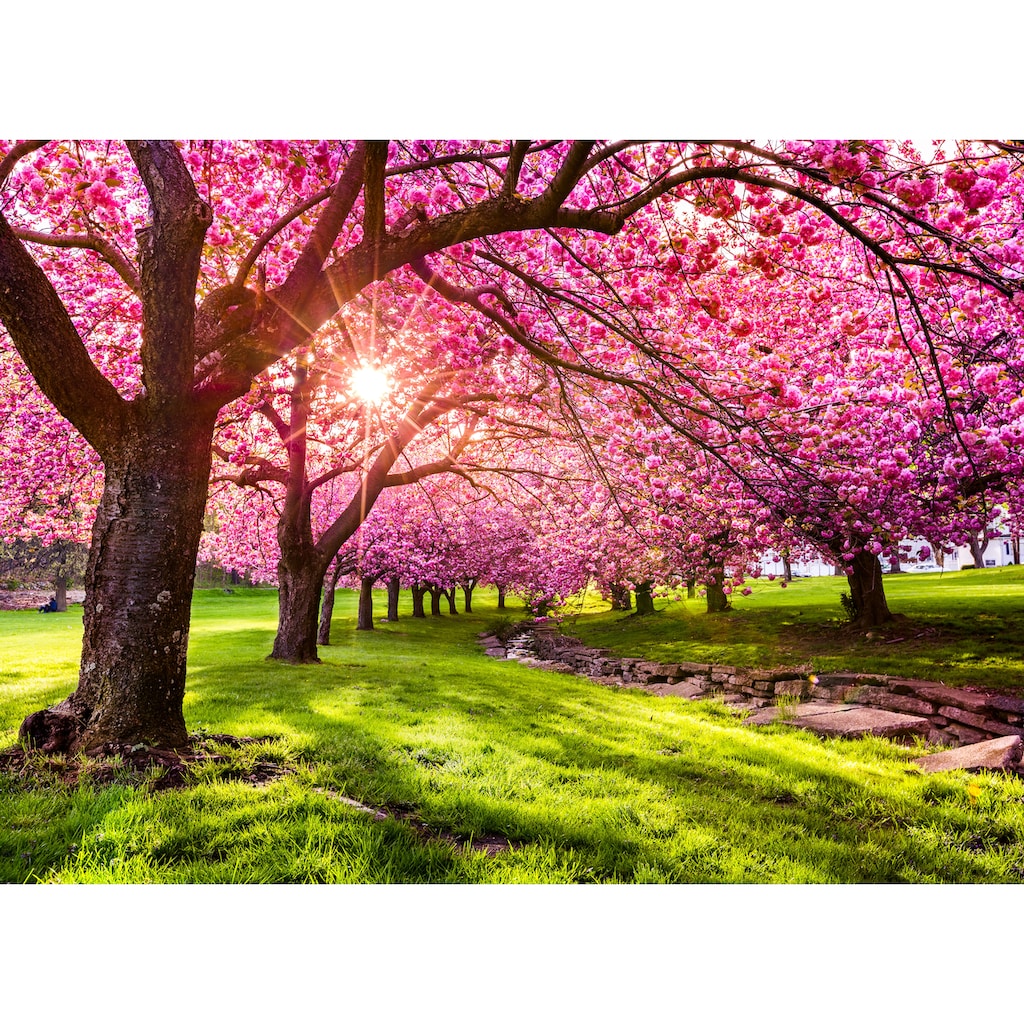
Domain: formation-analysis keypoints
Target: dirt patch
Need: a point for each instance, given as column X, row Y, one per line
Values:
column 139, row 765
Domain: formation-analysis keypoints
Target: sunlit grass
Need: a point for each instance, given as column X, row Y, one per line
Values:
column 585, row 783
column 962, row 628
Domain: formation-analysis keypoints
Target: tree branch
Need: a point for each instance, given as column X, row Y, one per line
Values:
column 22, row 149
column 170, row 250
column 110, row 253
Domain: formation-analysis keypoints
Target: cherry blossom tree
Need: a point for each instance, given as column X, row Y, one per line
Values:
column 147, row 286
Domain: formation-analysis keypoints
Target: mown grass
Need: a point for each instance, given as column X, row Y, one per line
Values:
column 587, row 784
column 959, row 628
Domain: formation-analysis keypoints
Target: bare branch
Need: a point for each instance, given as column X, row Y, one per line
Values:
column 109, row 252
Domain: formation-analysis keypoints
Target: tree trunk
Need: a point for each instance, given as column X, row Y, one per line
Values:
column 894, row 563
column 501, row 597
column 435, row 600
column 787, row 569
column 418, row 593
column 300, row 580
column 977, row 551
column 467, row 592
column 867, row 591
column 60, row 587
column 394, row 591
column 691, row 589
column 450, row 596
column 644, row 599
column 622, row 599
column 1015, row 544
column 717, row 599
column 323, row 634
column 365, row 618
column 138, row 594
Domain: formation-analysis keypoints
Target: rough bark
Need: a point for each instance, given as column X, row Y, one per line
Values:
column 867, row 591
column 501, row 597
column 60, row 585
column 138, row 585
column 364, row 618
column 450, row 595
column 418, row 594
column 621, row 598
column 435, row 600
column 644, row 599
column 394, row 591
column 300, row 580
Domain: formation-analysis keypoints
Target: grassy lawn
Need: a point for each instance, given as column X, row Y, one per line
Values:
column 588, row 784
column 959, row 628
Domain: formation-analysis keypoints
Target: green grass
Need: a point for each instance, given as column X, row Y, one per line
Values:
column 588, row 784
column 960, row 628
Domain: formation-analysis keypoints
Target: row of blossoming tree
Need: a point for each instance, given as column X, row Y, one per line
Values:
column 729, row 345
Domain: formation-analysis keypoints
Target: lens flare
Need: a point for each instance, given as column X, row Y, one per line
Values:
column 370, row 384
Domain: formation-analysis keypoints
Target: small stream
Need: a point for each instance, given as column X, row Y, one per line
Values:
column 521, row 645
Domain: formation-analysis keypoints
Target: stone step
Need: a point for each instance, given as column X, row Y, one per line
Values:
column 1002, row 754
column 843, row 720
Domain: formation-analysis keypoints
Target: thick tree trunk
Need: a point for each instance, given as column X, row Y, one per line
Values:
column 467, row 592
column 394, row 591
column 60, row 589
column 867, row 591
column 450, row 596
column 622, row 599
column 138, row 595
column 365, row 617
column 300, row 580
column 644, row 599
column 418, row 594
column 501, row 597
column 435, row 600
column 717, row 599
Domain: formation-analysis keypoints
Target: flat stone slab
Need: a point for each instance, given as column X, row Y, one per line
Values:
column 687, row 690
column 1002, row 754
column 843, row 720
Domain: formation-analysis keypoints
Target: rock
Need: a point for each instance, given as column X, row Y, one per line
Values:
column 1003, row 754
column 796, row 687
column 843, row 720
column 895, row 702
column 965, row 734
column 851, row 679
column 679, row 689
column 960, row 715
